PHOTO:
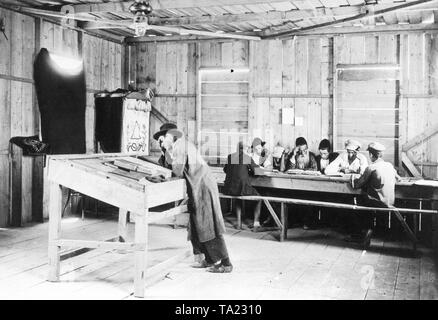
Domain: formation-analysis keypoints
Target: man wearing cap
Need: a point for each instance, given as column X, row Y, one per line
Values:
column 206, row 224
column 350, row 161
column 260, row 155
column 301, row 157
column 378, row 184
column 325, row 156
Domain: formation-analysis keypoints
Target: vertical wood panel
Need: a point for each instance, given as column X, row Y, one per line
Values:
column 19, row 115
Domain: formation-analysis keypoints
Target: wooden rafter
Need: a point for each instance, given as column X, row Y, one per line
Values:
column 370, row 29
column 187, row 38
column 264, row 17
column 129, row 24
column 122, row 6
column 367, row 13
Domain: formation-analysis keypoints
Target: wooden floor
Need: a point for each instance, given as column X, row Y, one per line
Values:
column 315, row 264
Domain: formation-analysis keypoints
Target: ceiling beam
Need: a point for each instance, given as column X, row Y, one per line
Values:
column 366, row 14
column 265, row 17
column 370, row 29
column 399, row 29
column 123, row 6
column 186, row 38
column 238, row 18
column 52, row 18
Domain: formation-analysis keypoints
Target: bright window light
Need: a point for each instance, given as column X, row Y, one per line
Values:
column 67, row 65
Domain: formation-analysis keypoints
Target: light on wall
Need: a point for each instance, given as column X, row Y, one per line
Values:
column 67, row 65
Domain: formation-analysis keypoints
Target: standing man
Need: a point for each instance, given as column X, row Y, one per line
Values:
column 301, row 158
column 378, row 184
column 206, row 224
column 325, row 156
column 350, row 161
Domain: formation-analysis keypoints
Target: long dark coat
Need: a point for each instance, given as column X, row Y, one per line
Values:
column 238, row 169
column 203, row 205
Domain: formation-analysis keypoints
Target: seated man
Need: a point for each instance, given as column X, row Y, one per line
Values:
column 378, row 184
column 325, row 156
column 238, row 169
column 279, row 158
column 260, row 155
column 301, row 157
column 350, row 161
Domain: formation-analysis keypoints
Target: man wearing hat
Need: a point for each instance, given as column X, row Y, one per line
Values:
column 206, row 224
column 350, row 161
column 301, row 157
column 378, row 184
column 260, row 155
column 159, row 136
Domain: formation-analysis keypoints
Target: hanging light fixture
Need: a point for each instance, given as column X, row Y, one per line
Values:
column 140, row 6
column 140, row 9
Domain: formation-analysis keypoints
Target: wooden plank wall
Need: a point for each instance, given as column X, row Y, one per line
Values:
column 419, row 58
column 19, row 114
column 378, row 96
column 168, row 68
column 280, row 76
column 297, row 73
column 291, row 74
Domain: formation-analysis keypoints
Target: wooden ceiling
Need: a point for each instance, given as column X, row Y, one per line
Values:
column 267, row 19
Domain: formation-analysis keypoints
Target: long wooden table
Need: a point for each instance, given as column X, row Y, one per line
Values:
column 89, row 175
column 407, row 189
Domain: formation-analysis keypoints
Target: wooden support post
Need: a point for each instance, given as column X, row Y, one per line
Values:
column 415, row 224
column 434, row 206
column 37, row 189
column 407, row 229
column 16, row 185
column 141, row 237
column 123, row 220
column 283, row 235
column 55, row 208
column 284, row 220
column 274, row 216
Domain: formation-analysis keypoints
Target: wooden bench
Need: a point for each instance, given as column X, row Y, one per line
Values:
column 282, row 222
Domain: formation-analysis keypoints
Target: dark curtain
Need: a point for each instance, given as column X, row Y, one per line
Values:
column 109, row 121
column 62, row 102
